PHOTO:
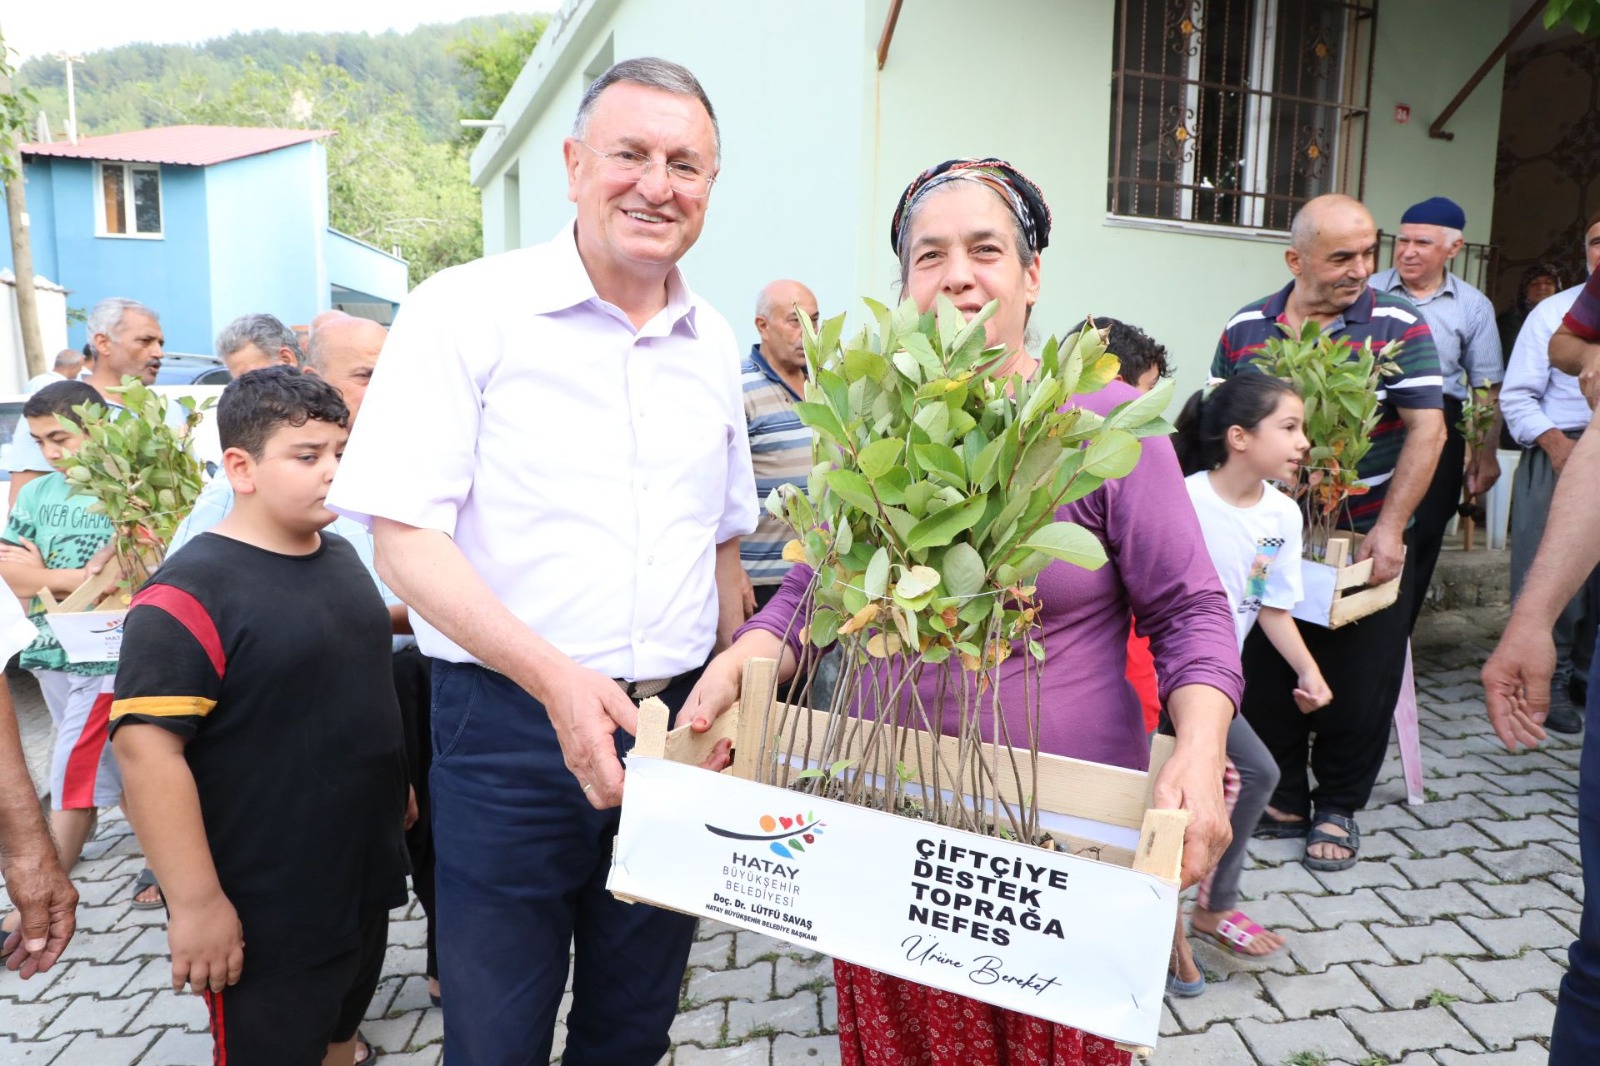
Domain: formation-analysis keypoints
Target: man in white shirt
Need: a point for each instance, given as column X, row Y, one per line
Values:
column 1545, row 412
column 564, row 527
column 67, row 366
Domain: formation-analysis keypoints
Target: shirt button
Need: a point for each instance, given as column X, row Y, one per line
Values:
column 650, row 560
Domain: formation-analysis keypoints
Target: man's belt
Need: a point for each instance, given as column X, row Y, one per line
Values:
column 643, row 690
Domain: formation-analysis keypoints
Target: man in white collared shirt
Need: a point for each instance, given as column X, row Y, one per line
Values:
column 565, row 534
column 1545, row 412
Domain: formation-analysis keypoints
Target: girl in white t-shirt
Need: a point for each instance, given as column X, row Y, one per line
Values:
column 1231, row 441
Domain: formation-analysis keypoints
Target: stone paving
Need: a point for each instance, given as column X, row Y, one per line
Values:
column 1444, row 945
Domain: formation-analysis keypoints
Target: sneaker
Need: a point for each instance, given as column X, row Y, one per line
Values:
column 1564, row 716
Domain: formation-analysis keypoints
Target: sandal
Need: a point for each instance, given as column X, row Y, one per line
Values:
column 363, row 1042
column 1270, row 828
column 147, row 879
column 1177, row 986
column 1318, row 835
column 1237, row 932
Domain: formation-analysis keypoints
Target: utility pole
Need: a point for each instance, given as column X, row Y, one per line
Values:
column 72, row 97
column 17, row 215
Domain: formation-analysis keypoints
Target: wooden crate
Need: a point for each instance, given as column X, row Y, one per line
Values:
column 1336, row 594
column 688, row 836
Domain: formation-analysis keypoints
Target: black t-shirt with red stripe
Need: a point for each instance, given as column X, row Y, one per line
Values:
column 276, row 671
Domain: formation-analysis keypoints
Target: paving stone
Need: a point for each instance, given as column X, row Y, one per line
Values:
column 1514, row 899
column 1218, row 1044
column 1393, row 1033
column 1506, row 979
column 1274, row 1043
column 1425, row 873
column 34, row 988
column 391, row 1034
column 757, row 1052
column 1500, row 1025
column 425, row 1057
column 91, row 1049
column 1361, row 905
column 147, row 942
column 430, row 1029
column 1462, row 836
column 714, row 952
column 1440, row 937
column 1402, row 987
column 1535, row 860
column 1240, row 995
column 1378, row 846
column 1447, row 788
column 1515, row 833
column 1530, row 803
column 703, row 1025
column 27, row 1020
column 790, row 973
column 748, row 947
column 1275, row 912
column 1449, row 811
column 33, row 1053
column 1347, row 943
column 751, row 982
column 1508, row 936
column 87, row 1014
column 1389, row 816
column 1368, row 873
column 1532, row 781
column 1524, row 1054
column 166, row 1009
column 799, row 1014
column 789, row 1050
column 1278, row 880
column 1220, row 962
column 1443, row 901
column 174, row 1047
column 1302, row 995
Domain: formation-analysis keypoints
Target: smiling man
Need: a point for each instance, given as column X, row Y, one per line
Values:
column 565, row 540
column 1332, row 250
column 1468, row 342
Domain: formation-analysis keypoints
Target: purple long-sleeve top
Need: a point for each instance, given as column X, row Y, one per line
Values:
column 1159, row 571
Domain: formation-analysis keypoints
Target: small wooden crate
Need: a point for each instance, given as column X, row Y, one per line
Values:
column 1336, row 593
column 689, row 841
column 88, row 623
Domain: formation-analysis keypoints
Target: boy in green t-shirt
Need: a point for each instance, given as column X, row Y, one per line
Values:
column 52, row 540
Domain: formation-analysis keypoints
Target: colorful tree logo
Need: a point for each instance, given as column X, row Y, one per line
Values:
column 785, row 835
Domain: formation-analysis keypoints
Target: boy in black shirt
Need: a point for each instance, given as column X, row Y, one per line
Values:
column 260, row 743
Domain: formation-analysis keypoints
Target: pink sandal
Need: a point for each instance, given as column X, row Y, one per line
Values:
column 1237, row 932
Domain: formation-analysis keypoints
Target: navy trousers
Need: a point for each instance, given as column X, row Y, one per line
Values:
column 521, row 862
column 1576, row 1039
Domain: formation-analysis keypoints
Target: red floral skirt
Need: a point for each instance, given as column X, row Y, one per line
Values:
column 889, row 1021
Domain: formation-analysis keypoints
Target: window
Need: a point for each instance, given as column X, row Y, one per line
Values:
column 1235, row 112
column 129, row 204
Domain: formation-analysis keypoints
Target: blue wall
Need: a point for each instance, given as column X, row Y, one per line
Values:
column 269, row 213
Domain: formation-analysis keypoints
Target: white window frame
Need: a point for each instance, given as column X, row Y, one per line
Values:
column 128, row 170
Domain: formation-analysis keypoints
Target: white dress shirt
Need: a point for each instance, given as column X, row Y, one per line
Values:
column 1537, row 397
column 586, row 469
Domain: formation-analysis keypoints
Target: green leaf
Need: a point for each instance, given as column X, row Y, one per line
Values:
column 963, row 570
column 1070, row 543
column 943, row 461
column 934, row 420
column 824, row 627
column 876, row 582
column 938, row 530
column 811, row 773
column 837, row 391
column 821, row 419
column 881, row 456
column 1136, row 412
column 1036, row 650
column 840, row 767
column 853, row 489
column 1114, row 455
column 860, row 364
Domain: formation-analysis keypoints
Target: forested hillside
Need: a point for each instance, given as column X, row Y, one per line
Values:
column 397, row 169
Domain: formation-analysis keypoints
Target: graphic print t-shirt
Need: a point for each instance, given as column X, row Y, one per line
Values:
column 68, row 534
column 1256, row 550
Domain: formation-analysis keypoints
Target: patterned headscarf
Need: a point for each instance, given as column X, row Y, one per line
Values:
column 1020, row 195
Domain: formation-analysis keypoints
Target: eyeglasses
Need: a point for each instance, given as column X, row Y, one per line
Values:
column 628, row 165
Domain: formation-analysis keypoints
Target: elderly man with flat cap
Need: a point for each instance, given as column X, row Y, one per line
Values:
column 1468, row 343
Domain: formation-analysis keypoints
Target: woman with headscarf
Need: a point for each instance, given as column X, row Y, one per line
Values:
column 973, row 230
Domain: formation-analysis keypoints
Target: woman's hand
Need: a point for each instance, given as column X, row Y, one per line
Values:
column 1313, row 692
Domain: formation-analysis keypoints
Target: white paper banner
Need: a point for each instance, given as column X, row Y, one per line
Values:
column 1063, row 938
column 89, row 636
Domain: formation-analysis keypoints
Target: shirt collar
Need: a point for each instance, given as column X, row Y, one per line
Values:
column 1392, row 282
column 770, row 374
column 567, row 284
column 1360, row 311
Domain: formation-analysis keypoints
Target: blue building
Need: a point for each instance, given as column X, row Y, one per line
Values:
column 203, row 224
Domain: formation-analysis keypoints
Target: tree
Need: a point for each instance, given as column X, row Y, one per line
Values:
column 13, row 119
column 388, row 184
column 1582, row 15
column 492, row 59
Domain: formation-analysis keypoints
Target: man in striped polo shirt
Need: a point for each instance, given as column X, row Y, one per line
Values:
column 1332, row 253
column 780, row 446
